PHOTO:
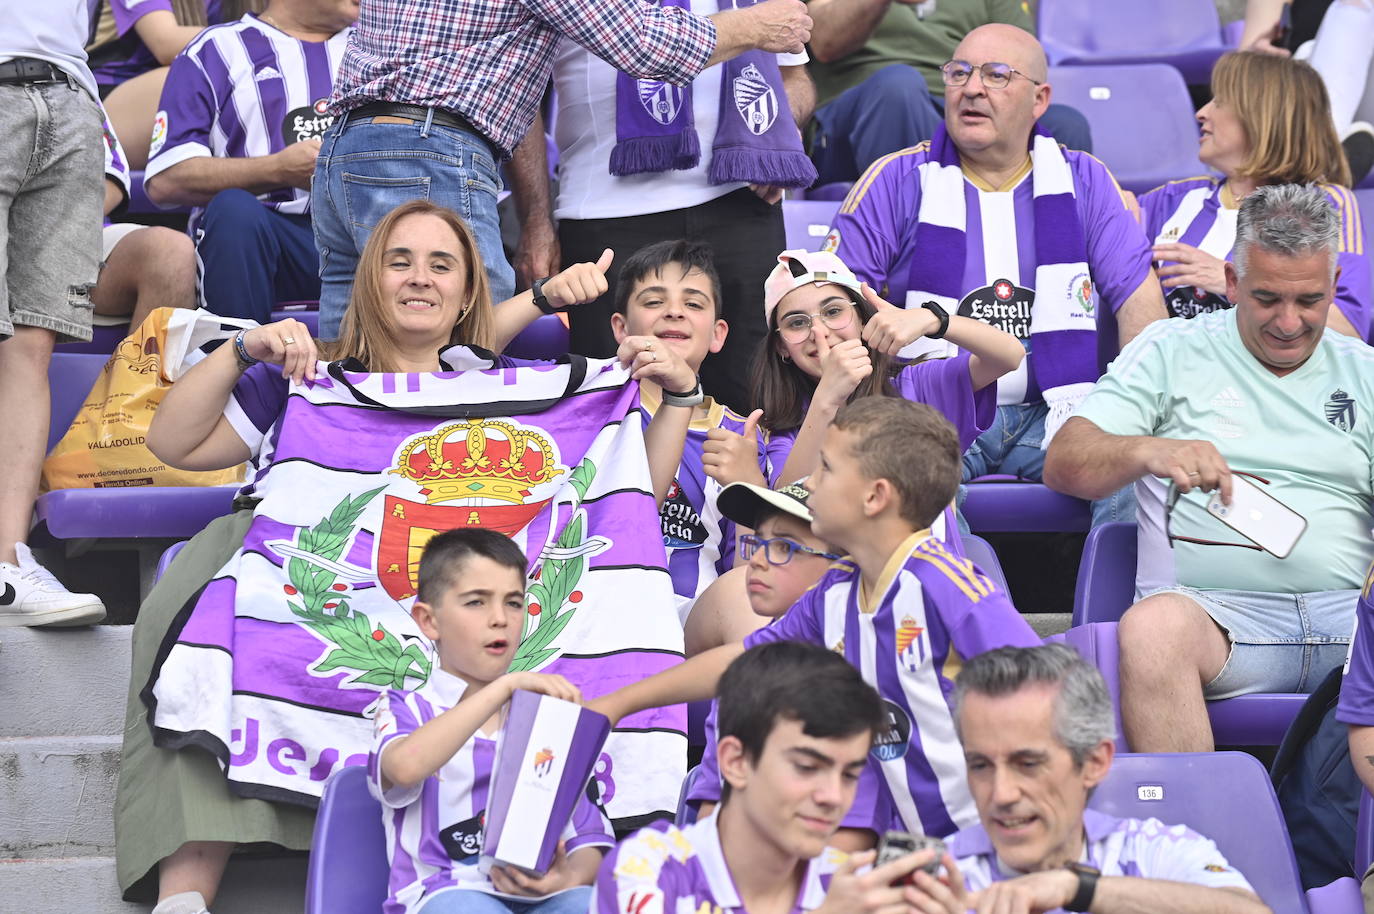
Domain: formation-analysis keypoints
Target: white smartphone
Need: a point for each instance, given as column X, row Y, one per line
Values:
column 1259, row 517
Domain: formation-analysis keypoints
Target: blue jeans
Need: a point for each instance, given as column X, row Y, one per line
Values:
column 1012, row 445
column 365, row 170
column 466, row 901
column 250, row 257
column 893, row 109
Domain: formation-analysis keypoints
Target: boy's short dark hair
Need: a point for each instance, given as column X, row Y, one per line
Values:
column 794, row 680
column 659, row 256
column 444, row 556
column 910, row 445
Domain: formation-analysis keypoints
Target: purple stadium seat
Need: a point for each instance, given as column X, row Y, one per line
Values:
column 165, row 560
column 1106, row 574
column 545, row 338
column 1002, row 504
column 139, row 202
column 981, row 553
column 836, row 191
column 1141, row 118
column 348, row 870
column 1183, row 33
column 1260, row 719
column 807, row 222
column 71, row 375
column 104, row 339
column 686, row 813
column 1366, row 200
column 1340, row 897
column 1226, row 796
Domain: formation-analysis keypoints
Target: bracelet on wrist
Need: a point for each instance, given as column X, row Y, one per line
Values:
column 690, row 398
column 540, row 300
column 245, row 360
column 942, row 315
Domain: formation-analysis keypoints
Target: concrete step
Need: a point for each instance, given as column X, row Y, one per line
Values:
column 87, row 885
column 1046, row 624
column 63, row 682
column 57, row 796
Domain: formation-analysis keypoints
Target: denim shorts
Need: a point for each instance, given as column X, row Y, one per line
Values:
column 1280, row 642
column 51, row 190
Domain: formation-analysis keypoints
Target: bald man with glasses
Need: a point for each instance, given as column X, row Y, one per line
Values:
column 994, row 220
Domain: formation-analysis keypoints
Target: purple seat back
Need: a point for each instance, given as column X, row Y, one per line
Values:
column 348, row 867
column 686, row 812
column 1340, row 897
column 545, row 338
column 1106, row 574
column 71, row 375
column 1183, row 33
column 1226, row 796
column 165, row 560
column 981, row 553
column 1125, row 104
column 807, row 222
column 996, row 506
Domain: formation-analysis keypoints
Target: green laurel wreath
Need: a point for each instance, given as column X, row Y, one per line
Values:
column 555, row 582
column 372, row 654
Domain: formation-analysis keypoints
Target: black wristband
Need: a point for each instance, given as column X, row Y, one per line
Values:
column 1087, row 887
column 540, row 301
column 942, row 314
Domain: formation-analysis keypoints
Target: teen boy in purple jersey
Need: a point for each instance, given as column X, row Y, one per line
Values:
column 902, row 608
column 434, row 747
column 796, row 727
column 671, row 291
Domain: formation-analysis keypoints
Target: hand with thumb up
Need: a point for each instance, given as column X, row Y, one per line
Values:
column 579, row 283
column 892, row 328
column 729, row 456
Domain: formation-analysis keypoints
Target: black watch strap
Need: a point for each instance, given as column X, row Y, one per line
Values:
column 1087, row 887
column 540, row 301
column 942, row 314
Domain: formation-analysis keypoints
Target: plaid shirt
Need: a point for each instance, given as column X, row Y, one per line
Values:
column 489, row 60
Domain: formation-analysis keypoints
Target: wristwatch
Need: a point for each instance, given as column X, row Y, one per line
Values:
column 540, row 301
column 940, row 313
column 1087, row 886
column 690, row 398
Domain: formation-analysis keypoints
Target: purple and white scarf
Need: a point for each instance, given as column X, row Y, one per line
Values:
column 756, row 139
column 1063, row 342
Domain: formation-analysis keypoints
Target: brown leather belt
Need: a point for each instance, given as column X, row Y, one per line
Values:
column 418, row 114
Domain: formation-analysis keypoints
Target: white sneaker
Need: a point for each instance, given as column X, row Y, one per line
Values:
column 30, row 595
column 184, row 903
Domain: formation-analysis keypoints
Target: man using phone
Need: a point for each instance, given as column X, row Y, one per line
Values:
column 1239, row 598
column 1038, row 730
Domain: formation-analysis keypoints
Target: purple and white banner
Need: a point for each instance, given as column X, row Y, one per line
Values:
column 280, row 660
column 547, row 752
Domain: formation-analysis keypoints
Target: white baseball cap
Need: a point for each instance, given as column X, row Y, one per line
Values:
column 798, row 267
column 743, row 502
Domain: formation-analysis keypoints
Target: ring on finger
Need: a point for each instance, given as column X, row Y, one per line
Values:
column 1194, row 475
column 288, row 340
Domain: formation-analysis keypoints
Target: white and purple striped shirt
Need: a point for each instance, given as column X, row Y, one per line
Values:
column 245, row 89
column 664, row 869
column 116, row 164
column 930, row 609
column 1146, row 848
column 434, row 829
column 1192, row 212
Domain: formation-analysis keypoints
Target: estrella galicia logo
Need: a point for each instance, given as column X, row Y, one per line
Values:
column 1340, row 410
column 463, row 841
column 892, row 743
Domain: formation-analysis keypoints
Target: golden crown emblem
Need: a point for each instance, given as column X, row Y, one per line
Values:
column 478, row 459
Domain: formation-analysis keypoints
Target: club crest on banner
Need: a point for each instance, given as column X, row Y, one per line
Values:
column 543, row 761
column 661, row 100
column 473, row 473
column 755, row 100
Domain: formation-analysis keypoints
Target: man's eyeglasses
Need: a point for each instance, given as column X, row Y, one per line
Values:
column 994, row 75
column 796, row 327
column 778, row 551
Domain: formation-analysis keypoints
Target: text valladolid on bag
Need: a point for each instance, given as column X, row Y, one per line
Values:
column 106, row 444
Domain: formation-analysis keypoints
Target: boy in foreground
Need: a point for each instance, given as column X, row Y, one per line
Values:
column 796, row 726
column 434, row 748
column 901, row 609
